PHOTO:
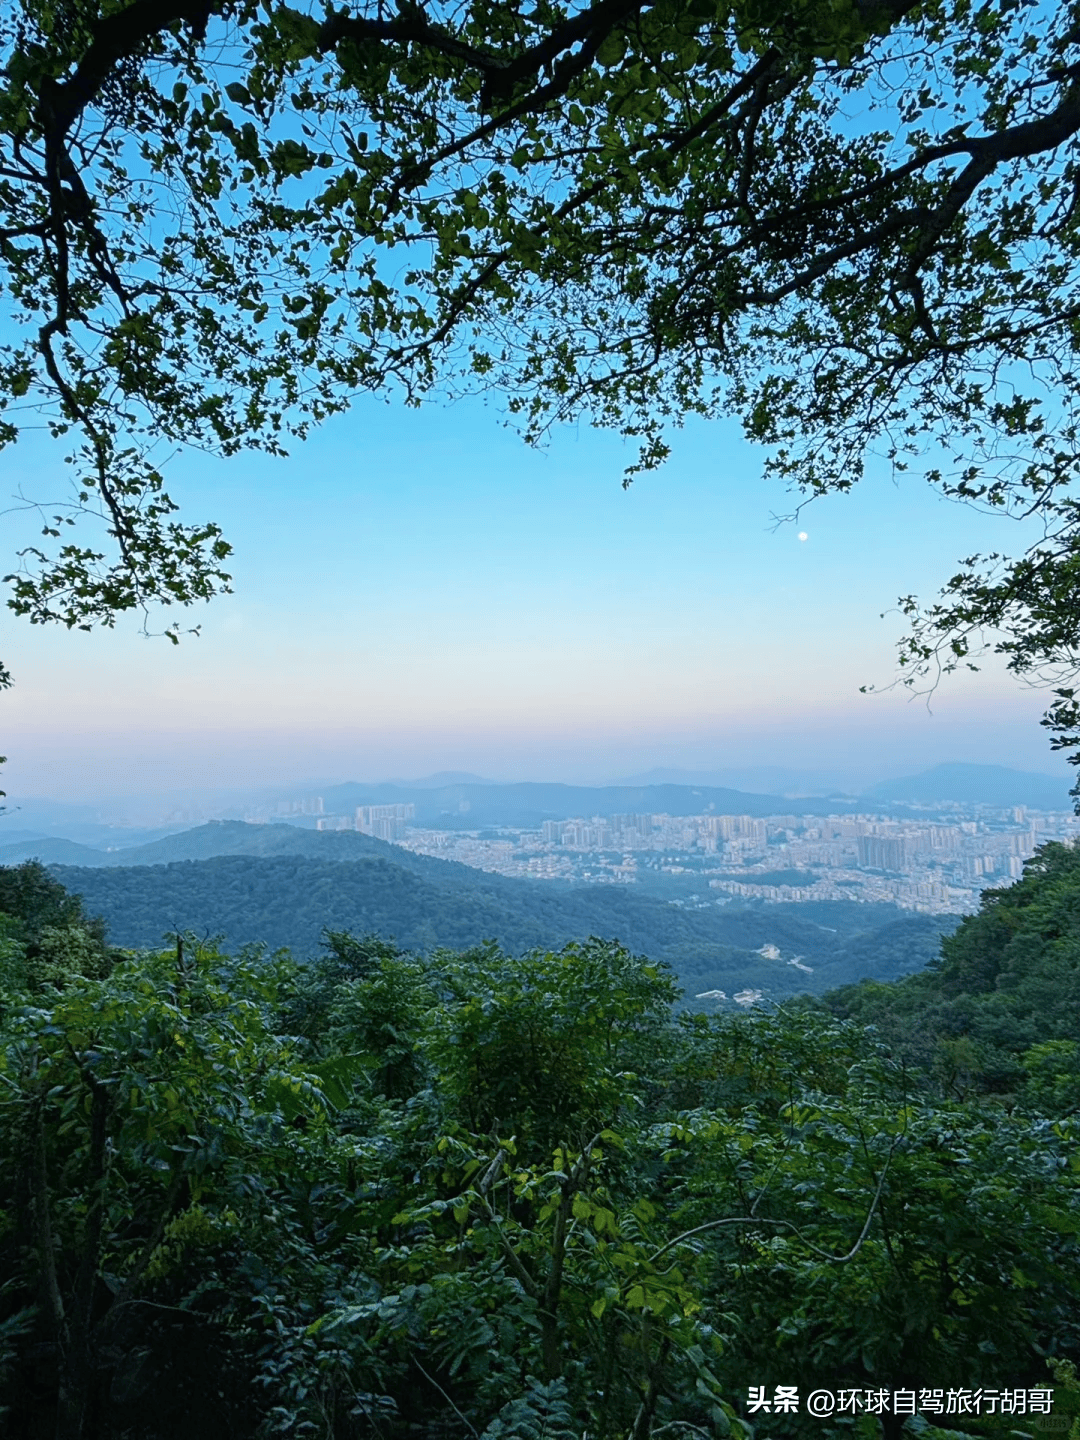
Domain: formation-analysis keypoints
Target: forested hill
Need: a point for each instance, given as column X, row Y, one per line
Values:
column 288, row 900
column 252, row 1198
column 217, row 837
column 235, row 837
column 1003, row 999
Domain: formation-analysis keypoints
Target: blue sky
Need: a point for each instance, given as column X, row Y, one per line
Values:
column 417, row 591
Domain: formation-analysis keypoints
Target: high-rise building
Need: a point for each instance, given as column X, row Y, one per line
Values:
column 739, row 827
column 882, row 852
column 385, row 822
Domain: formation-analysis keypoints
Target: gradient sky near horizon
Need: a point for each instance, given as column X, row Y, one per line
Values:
column 417, row 591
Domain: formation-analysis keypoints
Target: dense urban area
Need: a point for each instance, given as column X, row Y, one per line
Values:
column 937, row 861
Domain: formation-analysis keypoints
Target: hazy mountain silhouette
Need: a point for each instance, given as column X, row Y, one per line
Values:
column 51, row 851
column 471, row 806
column 976, row 785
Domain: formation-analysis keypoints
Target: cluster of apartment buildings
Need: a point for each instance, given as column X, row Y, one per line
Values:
column 937, row 862
column 938, row 865
column 651, row 832
column 385, row 822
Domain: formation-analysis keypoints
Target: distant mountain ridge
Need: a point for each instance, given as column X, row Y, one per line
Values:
column 976, row 785
column 527, row 804
column 441, row 779
column 51, row 850
column 215, row 838
column 766, row 779
column 455, row 801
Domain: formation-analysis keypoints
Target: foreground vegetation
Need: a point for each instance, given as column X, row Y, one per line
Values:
column 469, row 1195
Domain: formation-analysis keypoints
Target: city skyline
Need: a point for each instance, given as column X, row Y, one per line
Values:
column 926, row 857
column 937, row 862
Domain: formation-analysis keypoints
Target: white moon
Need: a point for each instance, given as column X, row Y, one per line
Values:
column 803, row 535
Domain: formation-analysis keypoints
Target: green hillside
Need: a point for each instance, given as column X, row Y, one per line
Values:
column 51, row 850
column 235, row 837
column 287, row 900
column 1005, row 986
column 479, row 1196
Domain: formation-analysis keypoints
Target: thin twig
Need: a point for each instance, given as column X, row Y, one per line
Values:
column 432, row 1381
column 789, row 1225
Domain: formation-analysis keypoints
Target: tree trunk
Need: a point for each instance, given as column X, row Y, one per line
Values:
column 549, row 1314
column 77, row 1360
column 52, row 1302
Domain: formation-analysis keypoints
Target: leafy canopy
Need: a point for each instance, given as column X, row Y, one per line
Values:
column 382, row 1194
column 851, row 223
column 996, row 1011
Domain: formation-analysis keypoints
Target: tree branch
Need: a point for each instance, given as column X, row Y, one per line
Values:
column 117, row 37
column 788, row 1225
